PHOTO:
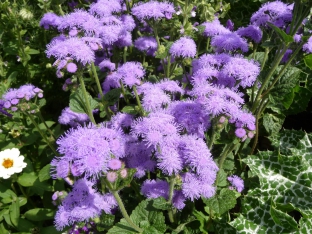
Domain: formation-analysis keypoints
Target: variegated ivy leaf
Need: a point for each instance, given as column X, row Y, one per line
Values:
column 285, row 185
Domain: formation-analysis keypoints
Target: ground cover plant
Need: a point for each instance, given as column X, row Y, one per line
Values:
column 154, row 117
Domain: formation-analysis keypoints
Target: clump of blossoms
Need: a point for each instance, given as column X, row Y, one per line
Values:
column 21, row 98
column 162, row 127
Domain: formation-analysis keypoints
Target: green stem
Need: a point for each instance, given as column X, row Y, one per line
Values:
column 262, row 107
column 138, row 100
column 124, row 212
column 87, row 103
column 123, row 91
column 43, row 121
column 171, row 211
column 168, row 67
column 41, row 133
column 97, row 81
column 212, row 138
column 125, row 54
column 276, row 62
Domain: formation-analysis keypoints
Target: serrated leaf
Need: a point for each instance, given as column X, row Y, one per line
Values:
column 203, row 219
column 285, row 180
column 273, row 122
column 161, row 203
column 222, row 202
column 77, row 102
column 144, row 216
column 222, row 178
column 300, row 102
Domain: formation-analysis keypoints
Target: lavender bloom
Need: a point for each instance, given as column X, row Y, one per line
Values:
column 131, row 73
column 72, row 118
column 307, row 47
column 80, row 20
column 191, row 116
column 121, row 120
column 81, row 204
column 72, row 47
column 105, row 8
column 125, row 39
column 50, row 20
column 114, row 164
column 242, row 70
column 146, row 44
column 286, row 56
column 214, row 28
column 237, row 182
column 155, row 99
column 153, row 10
column 128, row 22
column 155, row 189
column 91, row 148
column 106, row 63
column 252, row 31
column 71, row 67
column 184, row 47
column 229, row 42
column 240, row 132
column 2, row 109
column 110, row 33
column 230, row 25
column 178, row 200
column 170, row 86
column 277, row 13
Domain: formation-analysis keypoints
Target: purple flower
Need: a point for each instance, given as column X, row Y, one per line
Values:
column 307, row 47
column 105, row 7
column 230, row 25
column 131, row 73
column 114, row 164
column 121, row 120
column 153, row 10
column 178, row 200
column 72, row 118
column 154, row 99
column 277, row 12
column 2, row 109
column 72, row 47
column 147, row 44
column 229, row 42
column 128, row 22
column 111, row 176
column 237, row 182
column 252, row 31
column 106, row 63
column 286, row 56
column 214, row 28
column 184, row 47
column 81, row 204
column 155, row 189
column 125, row 39
column 240, row 132
column 71, row 67
column 50, row 20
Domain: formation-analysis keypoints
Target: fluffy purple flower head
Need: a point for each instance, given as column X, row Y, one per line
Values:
column 125, row 39
column 153, row 10
column 155, row 99
column 252, row 31
column 170, row 86
column 128, row 22
column 230, row 25
column 111, row 176
column 72, row 47
column 146, row 44
column 121, row 120
column 277, row 13
column 184, row 47
column 81, row 204
column 214, row 28
column 71, row 67
column 2, row 109
column 105, row 8
column 110, row 33
column 72, row 118
column 106, row 63
column 155, row 189
column 178, row 200
column 243, row 70
column 229, row 42
column 50, row 20
column 237, row 182
column 131, row 73
column 307, row 47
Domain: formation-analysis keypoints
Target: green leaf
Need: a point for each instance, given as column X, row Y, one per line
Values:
column 39, row 214
column 300, row 102
column 44, row 173
column 144, row 216
column 222, row 202
column 273, row 122
column 222, row 178
column 27, row 179
column 285, row 37
column 77, row 102
column 288, row 99
column 24, row 225
column 15, row 212
column 161, row 203
column 133, row 110
column 285, row 177
column 3, row 229
column 112, row 96
column 50, row 230
column 203, row 219
column 104, row 222
column 308, row 61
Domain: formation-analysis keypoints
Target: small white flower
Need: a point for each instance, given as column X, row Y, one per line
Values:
column 11, row 162
column 193, row 13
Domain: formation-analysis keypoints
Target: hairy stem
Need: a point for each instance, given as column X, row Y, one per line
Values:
column 171, row 211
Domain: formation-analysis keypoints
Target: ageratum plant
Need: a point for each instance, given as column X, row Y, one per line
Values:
column 166, row 109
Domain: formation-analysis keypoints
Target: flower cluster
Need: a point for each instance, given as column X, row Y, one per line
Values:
column 19, row 99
